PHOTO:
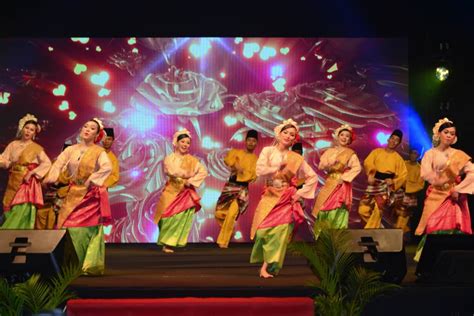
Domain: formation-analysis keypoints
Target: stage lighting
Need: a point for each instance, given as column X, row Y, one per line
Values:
column 442, row 73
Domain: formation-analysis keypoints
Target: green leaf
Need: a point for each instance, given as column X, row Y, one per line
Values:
column 10, row 303
column 343, row 288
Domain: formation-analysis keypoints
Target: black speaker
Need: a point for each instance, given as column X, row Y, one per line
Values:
column 447, row 259
column 381, row 250
column 24, row 252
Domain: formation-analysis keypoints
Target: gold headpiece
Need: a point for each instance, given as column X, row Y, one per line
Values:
column 341, row 128
column 436, row 131
column 99, row 122
column 178, row 133
column 26, row 118
column 278, row 128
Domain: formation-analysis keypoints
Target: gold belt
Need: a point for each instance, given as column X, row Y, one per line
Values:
column 176, row 180
column 19, row 168
column 335, row 175
column 444, row 187
column 79, row 181
column 277, row 183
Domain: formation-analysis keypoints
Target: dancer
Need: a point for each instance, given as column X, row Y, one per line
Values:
column 234, row 198
column 298, row 148
column 179, row 200
column 413, row 186
column 114, row 177
column 85, row 208
column 342, row 166
column 278, row 210
column 386, row 172
column 445, row 210
column 27, row 163
column 53, row 197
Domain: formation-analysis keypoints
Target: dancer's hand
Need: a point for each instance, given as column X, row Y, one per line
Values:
column 295, row 198
column 371, row 179
column 455, row 195
column 389, row 181
column 238, row 168
column 272, row 191
column 27, row 177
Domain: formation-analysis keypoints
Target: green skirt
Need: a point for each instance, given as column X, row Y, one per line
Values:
column 270, row 246
column 21, row 216
column 334, row 219
column 174, row 230
column 337, row 218
column 419, row 249
column 90, row 248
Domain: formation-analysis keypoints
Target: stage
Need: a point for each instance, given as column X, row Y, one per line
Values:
column 199, row 270
column 143, row 271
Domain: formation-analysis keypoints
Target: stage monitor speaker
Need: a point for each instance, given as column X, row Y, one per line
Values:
column 381, row 250
column 447, row 259
column 24, row 252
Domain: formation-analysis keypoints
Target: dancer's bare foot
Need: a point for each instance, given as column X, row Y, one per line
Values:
column 263, row 271
column 264, row 274
column 167, row 249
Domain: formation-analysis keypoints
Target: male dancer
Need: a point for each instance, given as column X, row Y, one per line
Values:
column 114, row 177
column 234, row 197
column 386, row 174
column 413, row 186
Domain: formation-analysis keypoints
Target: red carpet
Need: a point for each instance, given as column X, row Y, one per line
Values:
column 190, row 306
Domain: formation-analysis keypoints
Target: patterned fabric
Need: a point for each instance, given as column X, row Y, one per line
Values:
column 231, row 192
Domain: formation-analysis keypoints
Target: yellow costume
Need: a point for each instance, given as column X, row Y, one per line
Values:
column 234, row 197
column 379, row 199
column 114, row 177
column 413, row 185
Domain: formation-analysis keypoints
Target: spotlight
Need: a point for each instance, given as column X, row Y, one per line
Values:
column 442, row 73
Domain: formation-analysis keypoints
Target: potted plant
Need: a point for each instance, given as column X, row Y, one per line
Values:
column 37, row 296
column 344, row 286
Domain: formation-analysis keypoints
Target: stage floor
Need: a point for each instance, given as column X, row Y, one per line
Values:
column 204, row 270
column 199, row 270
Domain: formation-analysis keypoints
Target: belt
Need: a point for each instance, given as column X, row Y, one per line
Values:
column 277, row 183
column 79, row 181
column 19, row 168
column 334, row 175
column 233, row 180
column 383, row 176
column 176, row 180
column 444, row 187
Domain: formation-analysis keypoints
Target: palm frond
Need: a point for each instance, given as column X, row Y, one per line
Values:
column 58, row 293
column 34, row 293
column 344, row 288
column 363, row 285
column 10, row 303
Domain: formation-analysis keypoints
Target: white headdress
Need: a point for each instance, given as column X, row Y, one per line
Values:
column 341, row 128
column 278, row 128
column 178, row 133
column 99, row 122
column 101, row 134
column 436, row 131
column 24, row 119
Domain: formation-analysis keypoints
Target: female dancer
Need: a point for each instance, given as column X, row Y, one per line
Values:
column 179, row 200
column 27, row 164
column 342, row 165
column 278, row 209
column 85, row 208
column 445, row 210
